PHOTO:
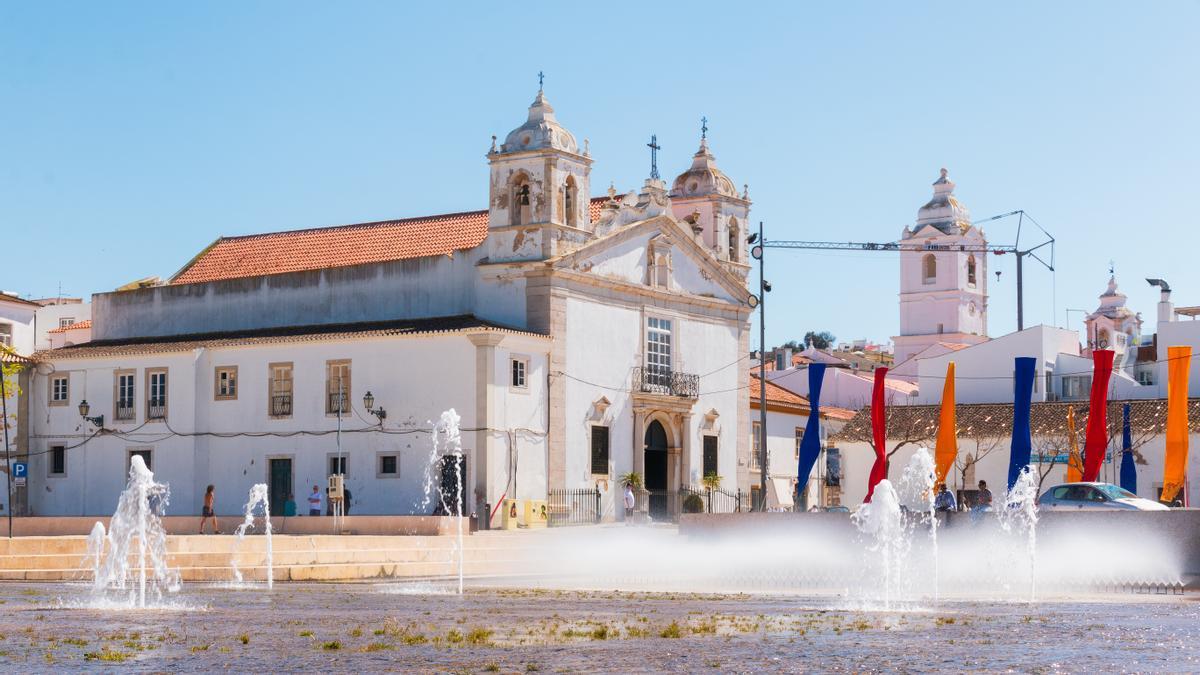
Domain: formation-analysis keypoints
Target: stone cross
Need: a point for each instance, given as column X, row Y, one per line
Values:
column 654, row 148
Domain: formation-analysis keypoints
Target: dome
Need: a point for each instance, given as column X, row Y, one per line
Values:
column 540, row 131
column 944, row 211
column 703, row 178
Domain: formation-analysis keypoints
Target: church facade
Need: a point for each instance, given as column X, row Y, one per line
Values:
column 579, row 339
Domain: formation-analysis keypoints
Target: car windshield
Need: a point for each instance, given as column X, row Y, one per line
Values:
column 1114, row 492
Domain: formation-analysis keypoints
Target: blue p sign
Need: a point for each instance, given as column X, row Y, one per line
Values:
column 20, row 470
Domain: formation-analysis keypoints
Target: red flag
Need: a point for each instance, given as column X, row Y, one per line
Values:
column 879, row 433
column 1096, row 443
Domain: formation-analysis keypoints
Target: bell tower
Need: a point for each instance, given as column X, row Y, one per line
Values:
column 943, row 276
column 539, row 191
column 706, row 199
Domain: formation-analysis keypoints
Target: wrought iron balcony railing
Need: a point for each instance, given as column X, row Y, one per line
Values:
column 658, row 380
column 124, row 410
column 281, row 405
column 156, row 410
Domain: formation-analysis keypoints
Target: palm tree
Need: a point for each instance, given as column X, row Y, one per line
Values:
column 633, row 479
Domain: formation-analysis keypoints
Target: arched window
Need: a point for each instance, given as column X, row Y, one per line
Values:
column 570, row 199
column 971, row 270
column 520, row 200
column 735, row 240
column 662, row 270
column 929, row 268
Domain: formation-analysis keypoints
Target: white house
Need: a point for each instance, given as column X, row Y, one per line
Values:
column 68, row 335
column 579, row 339
column 59, row 313
column 787, row 419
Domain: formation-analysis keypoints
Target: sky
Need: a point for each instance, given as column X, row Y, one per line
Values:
column 134, row 134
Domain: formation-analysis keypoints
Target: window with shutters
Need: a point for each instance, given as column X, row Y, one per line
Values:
column 337, row 387
column 280, row 403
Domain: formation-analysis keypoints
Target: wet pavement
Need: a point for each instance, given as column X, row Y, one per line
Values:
column 369, row 627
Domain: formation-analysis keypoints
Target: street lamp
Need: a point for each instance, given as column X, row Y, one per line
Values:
column 369, row 404
column 84, row 409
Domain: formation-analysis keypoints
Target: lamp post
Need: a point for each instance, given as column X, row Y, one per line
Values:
column 764, row 287
column 84, row 409
column 369, row 404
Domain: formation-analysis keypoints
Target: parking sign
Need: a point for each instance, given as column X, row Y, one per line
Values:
column 19, row 471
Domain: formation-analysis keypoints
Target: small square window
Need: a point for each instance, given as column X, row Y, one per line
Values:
column 519, row 371
column 146, row 455
column 337, row 465
column 389, row 466
column 60, row 389
column 225, row 386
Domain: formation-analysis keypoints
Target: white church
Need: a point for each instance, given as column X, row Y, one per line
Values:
column 578, row 338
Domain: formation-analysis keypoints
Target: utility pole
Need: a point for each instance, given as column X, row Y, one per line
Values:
column 763, row 287
column 7, row 452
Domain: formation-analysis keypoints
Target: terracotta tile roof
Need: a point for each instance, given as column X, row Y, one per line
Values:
column 258, row 336
column 340, row 246
column 954, row 346
column 10, row 357
column 777, row 395
column 918, row 423
column 78, row 325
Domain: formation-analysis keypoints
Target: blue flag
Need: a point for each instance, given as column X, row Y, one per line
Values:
column 810, row 445
column 1128, row 470
column 1022, row 443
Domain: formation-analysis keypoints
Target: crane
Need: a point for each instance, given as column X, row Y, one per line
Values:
column 995, row 249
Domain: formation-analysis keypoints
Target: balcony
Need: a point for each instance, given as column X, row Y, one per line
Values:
column 335, row 401
column 124, row 411
column 658, row 380
column 281, row 405
column 156, row 409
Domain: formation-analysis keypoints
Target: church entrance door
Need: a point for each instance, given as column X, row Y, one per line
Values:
column 656, row 471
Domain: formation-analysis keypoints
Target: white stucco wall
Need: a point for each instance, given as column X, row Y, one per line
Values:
column 413, row 378
column 413, row 288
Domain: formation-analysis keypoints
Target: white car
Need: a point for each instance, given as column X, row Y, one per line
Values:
column 1095, row 496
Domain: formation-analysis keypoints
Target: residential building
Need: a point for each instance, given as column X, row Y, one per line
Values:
column 787, row 419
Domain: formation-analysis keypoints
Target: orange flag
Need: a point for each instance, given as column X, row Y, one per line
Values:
column 1074, row 461
column 947, row 439
column 1179, row 359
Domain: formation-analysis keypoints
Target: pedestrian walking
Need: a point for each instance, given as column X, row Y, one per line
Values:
column 630, row 502
column 206, row 511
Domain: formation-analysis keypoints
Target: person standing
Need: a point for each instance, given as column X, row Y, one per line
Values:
column 314, row 501
column 289, row 507
column 630, row 502
column 206, row 511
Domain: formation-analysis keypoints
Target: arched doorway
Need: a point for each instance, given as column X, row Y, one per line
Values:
column 656, row 470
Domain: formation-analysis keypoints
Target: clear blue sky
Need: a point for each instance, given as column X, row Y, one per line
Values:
column 133, row 134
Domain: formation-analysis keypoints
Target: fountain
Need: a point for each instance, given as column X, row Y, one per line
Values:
column 136, row 530
column 258, row 496
column 446, row 442
column 1019, row 516
column 448, row 425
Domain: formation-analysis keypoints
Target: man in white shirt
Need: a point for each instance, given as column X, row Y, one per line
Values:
column 314, row 502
